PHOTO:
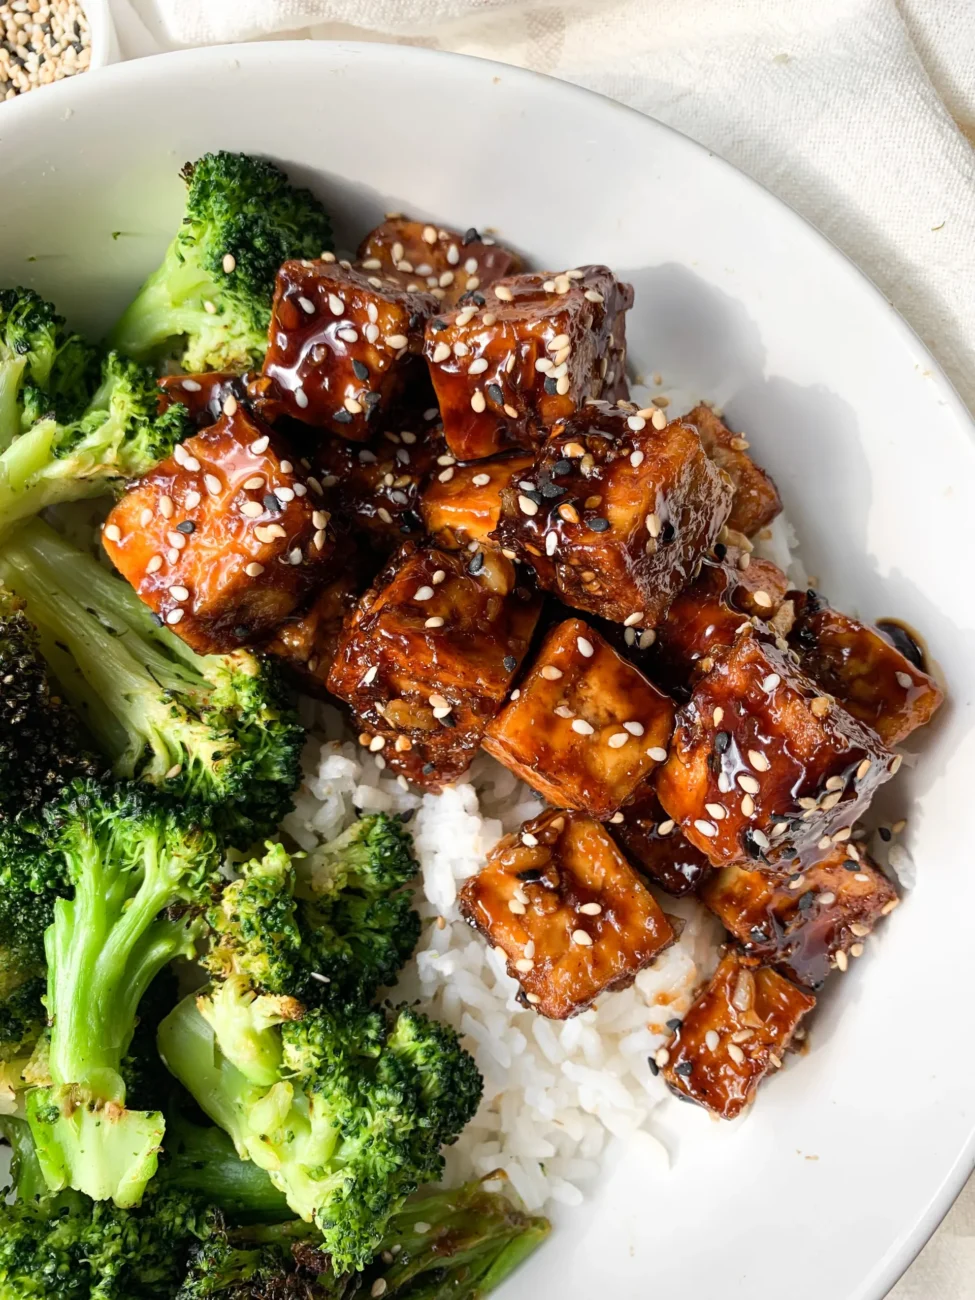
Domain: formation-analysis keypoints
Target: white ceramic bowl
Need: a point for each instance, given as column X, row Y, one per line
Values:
column 851, row 1155
column 101, row 25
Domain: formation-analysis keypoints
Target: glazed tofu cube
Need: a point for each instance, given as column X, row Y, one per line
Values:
column 465, row 506
column 567, row 910
column 504, row 372
column 705, row 618
column 429, row 655
column 650, row 839
column 737, row 1030
column 764, row 766
column 808, row 923
column 224, row 538
column 345, row 352
column 375, row 489
column 756, row 501
column 869, row 676
column 202, row 395
column 306, row 641
column 617, row 514
column 418, row 255
column 586, row 727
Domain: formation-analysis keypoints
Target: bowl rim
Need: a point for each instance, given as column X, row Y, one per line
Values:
column 101, row 28
column 169, row 64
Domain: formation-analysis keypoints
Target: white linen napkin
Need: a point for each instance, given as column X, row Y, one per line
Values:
column 853, row 111
column 856, row 112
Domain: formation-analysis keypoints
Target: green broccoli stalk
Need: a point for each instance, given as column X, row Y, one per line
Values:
column 333, row 928
column 140, row 878
column 44, row 368
column 120, row 435
column 355, row 1119
column 209, row 302
column 215, row 732
column 200, row 1158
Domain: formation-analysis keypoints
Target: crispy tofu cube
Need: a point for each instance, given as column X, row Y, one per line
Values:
column 764, row 766
column 705, row 618
column 806, row 924
column 859, row 665
column 568, row 911
column 306, row 641
column 465, row 506
column 375, row 489
column 737, row 1030
column 506, row 371
column 224, row 538
column 650, row 839
column 430, row 654
column 417, row 255
column 617, row 514
column 586, row 727
column 202, row 395
column 345, row 350
column 756, row 500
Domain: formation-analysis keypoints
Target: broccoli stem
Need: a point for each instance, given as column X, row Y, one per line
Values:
column 202, row 1160
column 11, row 377
column 169, row 304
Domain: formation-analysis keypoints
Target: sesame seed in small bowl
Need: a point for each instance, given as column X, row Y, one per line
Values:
column 43, row 41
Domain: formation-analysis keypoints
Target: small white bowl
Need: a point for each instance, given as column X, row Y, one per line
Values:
column 104, row 40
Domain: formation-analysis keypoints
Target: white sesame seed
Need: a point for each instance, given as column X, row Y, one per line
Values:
column 758, row 760
column 617, row 740
column 259, row 445
column 551, row 673
column 423, row 593
column 179, row 593
column 145, row 518
column 585, row 647
column 593, row 295
column 736, row 1054
column 665, row 828
column 748, row 783
column 397, row 341
column 591, row 909
column 661, row 1057
column 477, row 366
column 379, row 1287
column 504, row 293
column 349, row 335
column 176, row 540
column 252, row 509
column 636, row 459
column 516, row 906
column 209, row 307
column 653, row 525
column 716, row 810
column 172, row 555
column 631, row 620
column 436, row 621
column 113, row 532
column 658, row 420
column 174, row 616
column 478, row 402
column 166, row 507
column 711, row 1040
column 582, row 939
column 336, row 305
column 155, row 564
column 636, row 423
column 306, row 306
column 563, row 385
column 561, row 710
column 582, row 727
column 771, row 681
column 717, row 715
column 528, row 838
column 254, row 570
column 705, row 828
column 192, row 464
column 657, row 753
column 747, row 805
column 524, row 965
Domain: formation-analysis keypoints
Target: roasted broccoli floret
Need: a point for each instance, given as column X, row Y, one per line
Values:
column 346, row 1111
column 120, row 435
column 140, row 877
column 209, row 302
column 348, row 933
column 215, row 732
column 45, row 369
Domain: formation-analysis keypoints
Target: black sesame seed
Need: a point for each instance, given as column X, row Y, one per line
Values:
column 371, row 398
column 599, row 524
column 654, row 1067
column 448, row 721
column 562, row 467
column 510, row 663
column 720, row 550
column 438, row 324
column 806, row 901
column 495, row 393
column 884, row 834
column 532, row 495
column 428, row 769
column 410, row 522
column 476, row 564
column 153, row 618
column 471, row 236
column 272, row 504
column 850, row 865
column 758, row 934
column 360, row 370
column 342, row 416
column 242, row 631
column 415, row 320
column 551, row 490
column 674, row 1024
column 551, row 386
column 370, row 411
column 685, row 1069
column 668, row 533
column 186, row 526
column 531, row 875
column 722, row 740
column 795, row 875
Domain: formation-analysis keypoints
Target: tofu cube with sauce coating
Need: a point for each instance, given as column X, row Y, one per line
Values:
column 504, row 372
column 756, row 501
column 344, row 354
column 737, row 1030
column 859, row 665
column 807, row 924
column 763, row 766
column 375, row 489
column 418, row 255
column 466, row 506
column 223, row 539
column 306, row 641
column 429, row 655
column 568, row 911
column 617, row 513
column 650, row 839
column 202, row 395
column 704, row 619
column 586, row 727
